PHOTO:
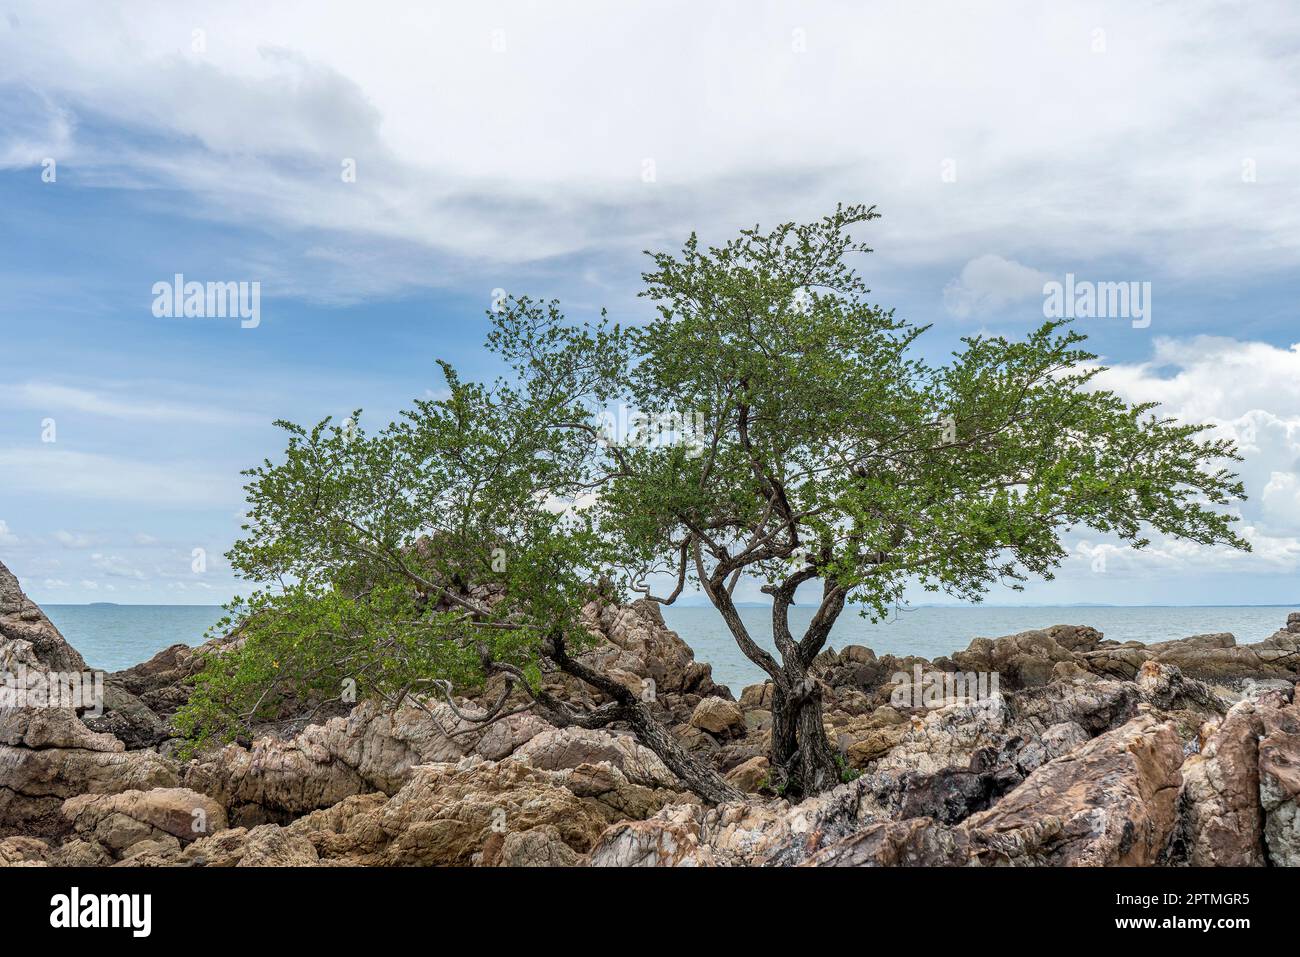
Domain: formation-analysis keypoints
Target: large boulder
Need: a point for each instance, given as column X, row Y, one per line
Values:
column 1222, row 821
column 119, row 822
column 1110, row 801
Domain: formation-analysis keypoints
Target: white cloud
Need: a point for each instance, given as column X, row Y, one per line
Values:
column 116, row 566
column 1249, row 392
column 142, row 538
column 89, row 585
column 989, row 282
column 77, row 539
column 95, row 477
column 7, row 537
column 58, row 399
column 55, row 583
column 519, row 155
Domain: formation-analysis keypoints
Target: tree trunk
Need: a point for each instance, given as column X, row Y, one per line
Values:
column 701, row 779
column 802, row 759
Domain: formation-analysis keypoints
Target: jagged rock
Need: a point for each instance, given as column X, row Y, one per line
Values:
column 1222, row 821
column 538, row 847
column 1026, row 659
column 118, row 822
column 912, row 843
column 265, row 846
column 48, row 755
column 128, row 719
column 275, row 780
column 16, row 851
column 1109, row 802
column 558, row 748
column 948, row 737
column 27, row 637
column 1279, row 783
column 654, row 843
column 1215, row 658
column 718, row 716
column 160, row 850
column 80, row 853
column 757, row 696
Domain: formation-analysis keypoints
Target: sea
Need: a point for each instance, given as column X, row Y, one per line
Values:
column 113, row 637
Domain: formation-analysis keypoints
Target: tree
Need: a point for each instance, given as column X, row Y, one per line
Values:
column 784, row 432
column 442, row 554
column 826, row 453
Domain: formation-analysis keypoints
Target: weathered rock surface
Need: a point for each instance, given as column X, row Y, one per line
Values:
column 27, row 637
column 1090, row 753
column 1279, row 783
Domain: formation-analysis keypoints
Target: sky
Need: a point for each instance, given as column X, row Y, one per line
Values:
column 381, row 171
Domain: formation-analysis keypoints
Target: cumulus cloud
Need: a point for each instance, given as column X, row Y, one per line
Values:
column 1246, row 391
column 479, row 133
column 988, row 283
column 7, row 537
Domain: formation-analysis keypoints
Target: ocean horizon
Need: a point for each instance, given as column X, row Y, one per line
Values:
column 116, row 636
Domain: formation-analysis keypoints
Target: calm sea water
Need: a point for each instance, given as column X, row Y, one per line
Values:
column 931, row 632
column 113, row 637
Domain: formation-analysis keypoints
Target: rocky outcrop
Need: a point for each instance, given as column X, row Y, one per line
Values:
column 27, row 637
column 1090, row 753
column 48, row 755
column 153, row 821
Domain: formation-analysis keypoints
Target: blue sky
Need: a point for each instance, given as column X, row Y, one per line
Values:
column 540, row 150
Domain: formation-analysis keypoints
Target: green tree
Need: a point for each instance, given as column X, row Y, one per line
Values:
column 785, row 433
column 826, row 454
column 441, row 554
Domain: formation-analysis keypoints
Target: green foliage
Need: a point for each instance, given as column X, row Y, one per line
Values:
column 477, row 525
column 413, row 555
column 832, row 453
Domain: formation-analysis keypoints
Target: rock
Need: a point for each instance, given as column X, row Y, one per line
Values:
column 264, row 846
column 80, row 853
column 751, row 775
column 1164, row 686
column 559, row 748
column 718, row 716
column 537, row 847
column 128, row 719
column 15, row 851
column 1214, row 658
column 1222, row 821
column 1026, row 659
column 912, row 843
column 1109, row 802
column 654, row 843
column 1279, row 783
column 757, row 696
column 119, row 821
column 48, row 755
column 27, row 637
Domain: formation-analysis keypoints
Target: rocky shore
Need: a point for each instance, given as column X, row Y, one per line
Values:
column 1089, row 752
